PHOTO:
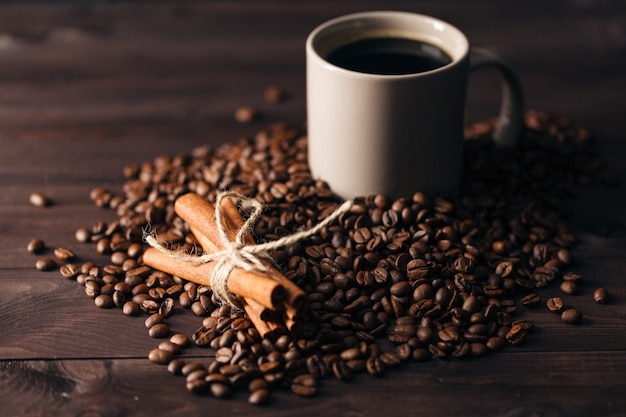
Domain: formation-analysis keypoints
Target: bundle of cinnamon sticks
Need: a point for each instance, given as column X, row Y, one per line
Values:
column 273, row 303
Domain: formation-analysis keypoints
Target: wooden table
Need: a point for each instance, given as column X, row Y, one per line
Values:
column 87, row 88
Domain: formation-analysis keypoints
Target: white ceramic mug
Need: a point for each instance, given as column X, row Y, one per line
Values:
column 373, row 133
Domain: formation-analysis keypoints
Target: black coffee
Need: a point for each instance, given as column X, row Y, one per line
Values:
column 389, row 56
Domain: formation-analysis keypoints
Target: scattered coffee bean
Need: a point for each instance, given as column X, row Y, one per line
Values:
column 131, row 308
column 530, row 300
column 246, row 114
column 36, row 246
column 181, row 340
column 571, row 316
column 259, row 396
column 69, row 271
column 554, row 304
column 161, row 357
column 45, row 264
column 569, row 287
column 159, row 331
column 82, row 235
column 601, row 296
column 220, row 390
column 304, row 385
column 153, row 319
column 64, row 255
column 39, row 200
column 273, row 94
column 175, row 366
column 104, row 301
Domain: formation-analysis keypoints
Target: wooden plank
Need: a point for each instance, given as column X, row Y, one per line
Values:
column 557, row 386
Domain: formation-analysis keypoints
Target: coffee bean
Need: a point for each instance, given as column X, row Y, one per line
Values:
column 131, row 308
column 259, row 397
column 571, row 316
column 161, row 357
column 39, row 200
column 69, row 271
column 530, row 300
column 153, row 319
column 572, row 277
column 219, row 390
column 180, row 339
column 197, row 386
column 175, row 366
column 64, row 255
column 554, row 304
column 246, row 114
column 495, row 343
column 82, row 235
column 601, row 296
column 192, row 367
column 273, row 94
column 104, row 301
column 516, row 335
column 569, row 287
column 45, row 264
column 172, row 347
column 304, row 385
column 159, row 331
column 36, row 246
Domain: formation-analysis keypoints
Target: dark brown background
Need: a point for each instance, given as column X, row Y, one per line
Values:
column 86, row 88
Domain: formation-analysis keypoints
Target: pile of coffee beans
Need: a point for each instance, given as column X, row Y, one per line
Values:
column 392, row 281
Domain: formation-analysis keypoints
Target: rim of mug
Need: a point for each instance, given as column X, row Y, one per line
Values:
column 342, row 24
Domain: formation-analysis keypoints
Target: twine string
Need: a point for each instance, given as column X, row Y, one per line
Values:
column 236, row 253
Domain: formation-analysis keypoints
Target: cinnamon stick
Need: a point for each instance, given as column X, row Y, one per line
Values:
column 242, row 283
column 189, row 207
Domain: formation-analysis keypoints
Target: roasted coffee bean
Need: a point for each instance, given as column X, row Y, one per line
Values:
column 219, row 390
column 569, row 287
column 197, row 386
column 69, row 271
column 131, row 308
column 153, row 319
column 516, row 335
column 82, row 235
column 39, row 200
column 203, row 336
column 601, row 296
column 171, row 346
column 159, row 331
column 192, row 367
column 554, row 304
column 166, row 307
column 572, row 277
column 495, row 343
column 160, row 356
column 304, row 385
column 530, row 300
column 64, row 255
column 224, row 355
column 571, row 316
column 45, row 264
column 273, row 94
column 246, row 114
column 181, row 340
column 104, row 301
column 259, row 396
column 36, row 246
column 175, row 366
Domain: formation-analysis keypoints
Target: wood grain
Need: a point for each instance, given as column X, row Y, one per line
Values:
column 87, row 88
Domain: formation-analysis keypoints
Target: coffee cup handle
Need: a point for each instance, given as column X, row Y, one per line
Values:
column 511, row 117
